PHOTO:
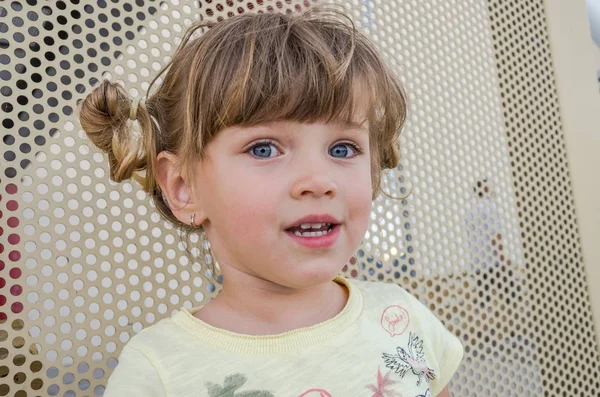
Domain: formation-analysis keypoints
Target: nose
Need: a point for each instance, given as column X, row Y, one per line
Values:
column 313, row 182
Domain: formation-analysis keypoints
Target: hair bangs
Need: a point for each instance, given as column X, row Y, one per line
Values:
column 288, row 70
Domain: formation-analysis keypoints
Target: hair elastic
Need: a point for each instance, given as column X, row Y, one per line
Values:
column 134, row 108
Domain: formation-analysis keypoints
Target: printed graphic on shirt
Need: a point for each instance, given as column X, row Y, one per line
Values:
column 315, row 393
column 231, row 384
column 394, row 320
column 383, row 383
column 427, row 394
column 412, row 359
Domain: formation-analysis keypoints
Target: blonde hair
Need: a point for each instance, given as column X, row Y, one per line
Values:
column 247, row 70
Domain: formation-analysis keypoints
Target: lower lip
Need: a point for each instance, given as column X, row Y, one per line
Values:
column 324, row 241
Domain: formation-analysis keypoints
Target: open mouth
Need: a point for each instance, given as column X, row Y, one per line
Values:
column 312, row 229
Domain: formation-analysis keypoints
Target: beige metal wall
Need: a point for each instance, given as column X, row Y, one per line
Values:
column 497, row 236
column 577, row 60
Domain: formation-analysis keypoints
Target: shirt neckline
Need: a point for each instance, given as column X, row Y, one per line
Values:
column 274, row 343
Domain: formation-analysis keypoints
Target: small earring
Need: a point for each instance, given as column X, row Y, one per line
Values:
column 205, row 256
column 192, row 215
column 207, row 253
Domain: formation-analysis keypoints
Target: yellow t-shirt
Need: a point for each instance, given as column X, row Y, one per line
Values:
column 383, row 343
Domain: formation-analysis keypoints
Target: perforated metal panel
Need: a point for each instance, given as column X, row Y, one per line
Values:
column 487, row 238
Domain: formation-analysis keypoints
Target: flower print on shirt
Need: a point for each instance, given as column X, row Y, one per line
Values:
column 411, row 359
column 383, row 382
column 231, row 384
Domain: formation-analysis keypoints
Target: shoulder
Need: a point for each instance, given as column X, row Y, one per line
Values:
column 164, row 341
column 143, row 349
column 139, row 371
column 409, row 322
column 389, row 300
column 144, row 361
column 156, row 345
column 164, row 330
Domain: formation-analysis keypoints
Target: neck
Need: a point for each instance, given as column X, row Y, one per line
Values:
column 251, row 305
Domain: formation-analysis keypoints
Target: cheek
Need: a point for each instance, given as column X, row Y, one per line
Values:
column 360, row 203
column 241, row 207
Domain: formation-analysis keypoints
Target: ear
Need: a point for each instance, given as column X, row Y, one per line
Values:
column 177, row 191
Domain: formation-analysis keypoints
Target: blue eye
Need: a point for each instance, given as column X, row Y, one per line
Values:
column 264, row 150
column 343, row 150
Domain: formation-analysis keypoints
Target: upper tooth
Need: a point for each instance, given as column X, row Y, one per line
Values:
column 313, row 225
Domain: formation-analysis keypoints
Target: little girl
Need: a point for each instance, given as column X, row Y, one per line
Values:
column 268, row 135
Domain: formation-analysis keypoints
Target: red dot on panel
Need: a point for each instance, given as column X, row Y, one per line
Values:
column 1, row 248
column 14, row 256
column 2, row 282
column 12, row 205
column 12, row 221
column 1, row 231
column 2, row 300
column 1, row 265
column 2, row 317
column 11, row 188
column 16, row 290
column 14, row 239
column 16, row 307
column 15, row 272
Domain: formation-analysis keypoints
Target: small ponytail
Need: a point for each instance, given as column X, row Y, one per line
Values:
column 105, row 116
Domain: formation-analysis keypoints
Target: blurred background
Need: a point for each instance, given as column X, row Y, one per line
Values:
column 500, row 154
column 593, row 8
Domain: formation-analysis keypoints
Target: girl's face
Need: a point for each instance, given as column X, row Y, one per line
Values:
column 259, row 187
